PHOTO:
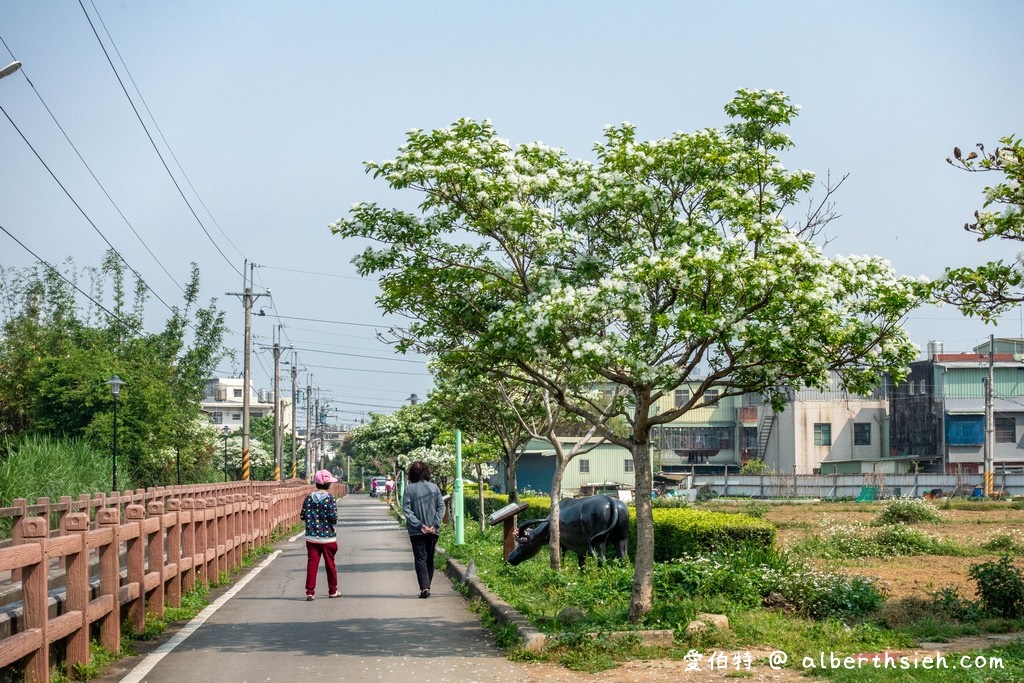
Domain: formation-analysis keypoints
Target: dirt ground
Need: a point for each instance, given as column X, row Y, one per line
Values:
column 905, row 576
column 899, row 577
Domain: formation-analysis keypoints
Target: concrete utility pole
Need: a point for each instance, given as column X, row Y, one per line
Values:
column 990, row 429
column 247, row 299
column 278, row 437
column 295, row 374
column 309, row 434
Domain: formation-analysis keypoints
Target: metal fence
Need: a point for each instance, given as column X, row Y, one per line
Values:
column 830, row 486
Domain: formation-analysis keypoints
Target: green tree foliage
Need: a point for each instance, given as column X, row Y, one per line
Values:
column 56, row 356
column 379, row 445
column 995, row 287
column 662, row 262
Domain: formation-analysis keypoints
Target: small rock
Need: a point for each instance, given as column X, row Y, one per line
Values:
column 695, row 628
column 719, row 621
column 570, row 616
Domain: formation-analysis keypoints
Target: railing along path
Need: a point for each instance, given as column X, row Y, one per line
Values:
column 76, row 568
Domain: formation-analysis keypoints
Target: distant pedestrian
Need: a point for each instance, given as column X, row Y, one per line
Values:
column 320, row 513
column 389, row 488
column 423, row 506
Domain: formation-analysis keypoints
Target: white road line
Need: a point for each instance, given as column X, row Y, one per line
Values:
column 154, row 657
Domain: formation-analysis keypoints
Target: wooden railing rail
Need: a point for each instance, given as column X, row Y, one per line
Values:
column 123, row 555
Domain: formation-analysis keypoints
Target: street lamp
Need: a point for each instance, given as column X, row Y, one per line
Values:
column 115, row 383
column 9, row 69
column 224, row 432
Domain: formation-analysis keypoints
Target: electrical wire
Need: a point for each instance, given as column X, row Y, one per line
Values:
column 152, row 142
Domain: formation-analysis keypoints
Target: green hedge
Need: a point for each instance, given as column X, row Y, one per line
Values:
column 677, row 531
column 685, row 531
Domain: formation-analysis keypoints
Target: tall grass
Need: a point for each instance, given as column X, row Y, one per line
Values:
column 35, row 466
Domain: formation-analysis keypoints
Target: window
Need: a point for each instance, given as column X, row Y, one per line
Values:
column 861, row 433
column 236, row 417
column 217, row 417
column 237, row 393
column 710, row 396
column 682, row 397
column 628, row 465
column 924, row 387
column 584, row 466
column 1006, row 430
column 822, row 434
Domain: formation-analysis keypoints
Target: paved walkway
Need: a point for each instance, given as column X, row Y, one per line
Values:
column 265, row 630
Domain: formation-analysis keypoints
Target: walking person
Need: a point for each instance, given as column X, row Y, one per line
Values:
column 320, row 513
column 423, row 506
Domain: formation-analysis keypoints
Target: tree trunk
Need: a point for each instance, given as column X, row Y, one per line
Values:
column 510, row 475
column 554, row 545
column 480, row 495
column 641, row 599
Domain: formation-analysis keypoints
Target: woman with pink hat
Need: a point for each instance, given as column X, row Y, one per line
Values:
column 320, row 513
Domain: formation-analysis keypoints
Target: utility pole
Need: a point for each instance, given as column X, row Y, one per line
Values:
column 278, row 437
column 316, row 428
column 309, row 434
column 295, row 374
column 247, row 299
column 990, row 418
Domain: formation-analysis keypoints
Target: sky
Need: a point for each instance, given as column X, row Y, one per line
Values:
column 264, row 112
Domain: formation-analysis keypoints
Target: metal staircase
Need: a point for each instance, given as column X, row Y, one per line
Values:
column 764, row 432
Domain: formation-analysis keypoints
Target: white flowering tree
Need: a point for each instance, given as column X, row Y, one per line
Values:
column 383, row 442
column 658, row 263
column 995, row 287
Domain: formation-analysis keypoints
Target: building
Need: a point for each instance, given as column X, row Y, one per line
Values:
column 830, row 431
column 223, row 402
column 819, row 431
column 938, row 413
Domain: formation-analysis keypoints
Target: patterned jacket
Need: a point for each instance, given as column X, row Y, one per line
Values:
column 320, row 513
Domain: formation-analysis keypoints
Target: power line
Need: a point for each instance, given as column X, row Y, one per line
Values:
column 82, row 211
column 117, row 208
column 153, row 143
column 63, row 277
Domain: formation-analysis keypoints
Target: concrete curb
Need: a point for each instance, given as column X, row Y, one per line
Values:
column 532, row 639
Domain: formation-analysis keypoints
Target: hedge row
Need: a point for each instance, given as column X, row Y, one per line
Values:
column 677, row 531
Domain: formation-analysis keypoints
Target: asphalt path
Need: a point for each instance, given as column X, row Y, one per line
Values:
column 263, row 629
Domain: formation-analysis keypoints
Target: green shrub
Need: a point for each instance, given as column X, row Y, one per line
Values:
column 679, row 532
column 908, row 511
column 847, row 541
column 1000, row 587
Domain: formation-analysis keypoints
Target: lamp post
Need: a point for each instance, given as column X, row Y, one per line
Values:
column 224, row 432
column 115, row 383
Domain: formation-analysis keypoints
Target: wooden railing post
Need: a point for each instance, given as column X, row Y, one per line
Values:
column 188, row 544
column 155, row 557
column 174, row 553
column 110, row 578
column 77, row 568
column 135, row 555
column 212, row 541
column 18, row 531
column 35, row 599
column 222, row 535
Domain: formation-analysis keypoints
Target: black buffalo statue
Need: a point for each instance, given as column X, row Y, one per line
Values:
column 586, row 526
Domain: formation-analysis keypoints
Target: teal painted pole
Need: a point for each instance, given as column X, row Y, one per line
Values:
column 457, row 491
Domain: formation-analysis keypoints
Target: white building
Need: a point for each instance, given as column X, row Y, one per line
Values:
column 223, row 402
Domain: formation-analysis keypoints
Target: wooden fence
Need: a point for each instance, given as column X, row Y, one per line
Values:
column 77, row 567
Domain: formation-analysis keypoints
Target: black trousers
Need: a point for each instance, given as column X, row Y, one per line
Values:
column 423, row 557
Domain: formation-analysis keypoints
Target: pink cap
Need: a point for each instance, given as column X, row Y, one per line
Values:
column 324, row 477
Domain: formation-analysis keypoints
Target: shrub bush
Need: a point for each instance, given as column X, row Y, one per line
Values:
column 1000, row 587
column 679, row 532
column 908, row 511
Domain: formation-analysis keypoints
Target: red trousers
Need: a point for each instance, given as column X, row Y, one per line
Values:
column 314, row 551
